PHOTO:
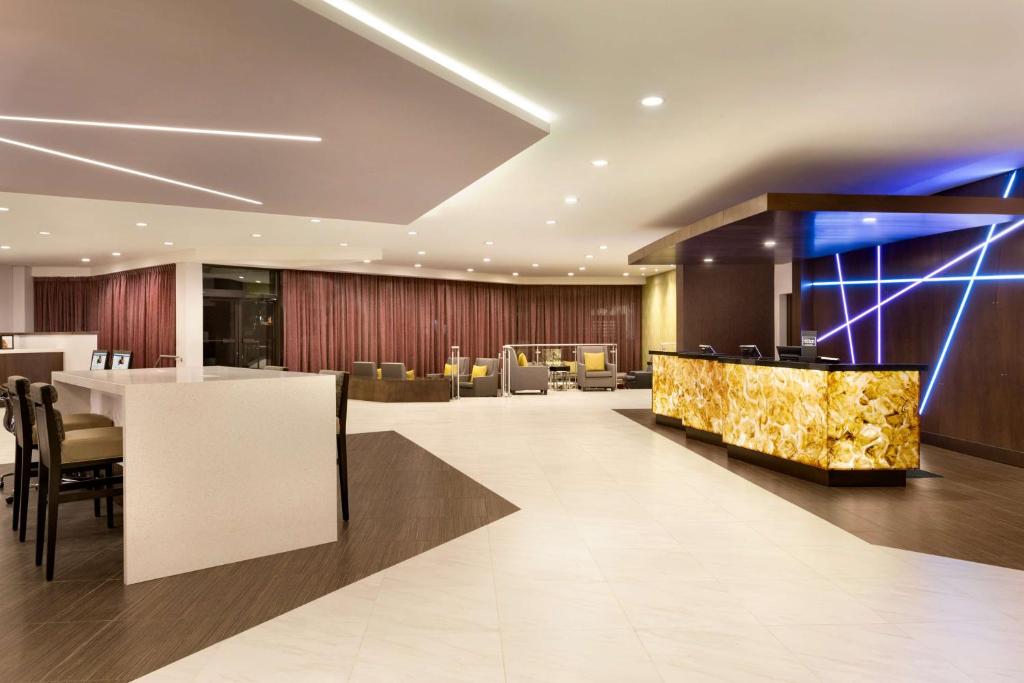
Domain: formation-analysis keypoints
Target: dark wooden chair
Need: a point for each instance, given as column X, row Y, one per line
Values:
column 26, row 440
column 342, row 380
column 61, row 452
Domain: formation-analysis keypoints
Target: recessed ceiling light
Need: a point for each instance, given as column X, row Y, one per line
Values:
column 86, row 260
column 652, row 101
column 417, row 265
column 709, row 260
column 256, row 234
column 450, row 63
column 487, row 259
column 583, row 267
column 342, row 244
column 5, row 247
column 141, row 225
column 259, row 282
column 469, row 270
column 314, row 220
column 421, row 253
column 241, row 277
column 589, row 256
column 44, row 233
column 572, row 199
column 411, row 232
column 4, row 208
column 625, row 275
column 115, row 253
column 515, row 274
column 168, row 244
column 656, row 270
column 164, row 129
column 125, row 169
column 570, row 274
column 535, row 265
column 869, row 219
column 603, row 247
column 551, row 221
column 489, row 243
column 769, row 243
column 643, row 267
column 599, row 163
column 366, row 260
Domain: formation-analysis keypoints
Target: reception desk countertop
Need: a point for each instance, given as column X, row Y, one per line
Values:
column 116, row 381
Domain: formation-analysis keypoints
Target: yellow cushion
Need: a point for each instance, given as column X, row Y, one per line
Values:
column 410, row 374
column 522, row 360
column 448, row 369
column 572, row 367
column 84, row 445
column 380, row 373
column 593, row 361
column 479, row 371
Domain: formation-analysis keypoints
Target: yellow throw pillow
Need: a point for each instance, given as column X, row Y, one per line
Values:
column 448, row 369
column 572, row 367
column 410, row 374
column 380, row 373
column 522, row 360
column 478, row 371
column 593, row 362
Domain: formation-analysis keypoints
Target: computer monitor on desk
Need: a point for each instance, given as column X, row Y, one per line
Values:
column 750, row 351
column 706, row 349
column 789, row 352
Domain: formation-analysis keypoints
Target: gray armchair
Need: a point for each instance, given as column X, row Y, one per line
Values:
column 594, row 379
column 527, row 378
column 364, row 369
column 392, row 371
column 482, row 386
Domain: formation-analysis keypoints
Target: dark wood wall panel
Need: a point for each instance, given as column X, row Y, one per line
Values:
column 975, row 401
column 725, row 305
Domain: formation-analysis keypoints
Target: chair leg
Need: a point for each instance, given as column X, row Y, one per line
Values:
column 343, row 474
column 52, row 504
column 41, row 513
column 110, row 499
column 96, row 501
column 23, row 489
column 16, row 507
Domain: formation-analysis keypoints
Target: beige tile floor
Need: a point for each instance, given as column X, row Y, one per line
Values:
column 631, row 560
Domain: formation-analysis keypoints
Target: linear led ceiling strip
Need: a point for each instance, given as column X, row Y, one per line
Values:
column 905, row 280
column 878, row 301
column 846, row 311
column 125, row 169
column 164, row 129
column 963, row 305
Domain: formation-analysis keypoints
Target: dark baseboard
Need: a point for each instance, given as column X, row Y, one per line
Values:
column 701, row 435
column 818, row 475
column 1005, row 456
column 668, row 421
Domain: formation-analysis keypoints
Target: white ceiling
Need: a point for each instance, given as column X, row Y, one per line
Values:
column 893, row 96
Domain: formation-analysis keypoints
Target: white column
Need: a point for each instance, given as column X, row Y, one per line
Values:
column 16, row 299
column 189, row 313
column 783, row 286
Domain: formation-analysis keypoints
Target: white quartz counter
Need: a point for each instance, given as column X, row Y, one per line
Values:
column 116, row 381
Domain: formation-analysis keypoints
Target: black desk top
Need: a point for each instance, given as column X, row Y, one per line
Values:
column 797, row 365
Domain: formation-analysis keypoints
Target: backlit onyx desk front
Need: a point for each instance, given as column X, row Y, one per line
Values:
column 834, row 424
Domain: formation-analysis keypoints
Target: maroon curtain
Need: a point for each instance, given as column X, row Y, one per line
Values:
column 133, row 310
column 334, row 319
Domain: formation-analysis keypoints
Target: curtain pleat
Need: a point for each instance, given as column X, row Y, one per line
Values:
column 334, row 319
column 133, row 310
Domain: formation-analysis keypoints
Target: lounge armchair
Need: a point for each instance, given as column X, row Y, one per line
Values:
column 393, row 371
column 482, row 386
column 364, row 369
column 594, row 379
column 527, row 377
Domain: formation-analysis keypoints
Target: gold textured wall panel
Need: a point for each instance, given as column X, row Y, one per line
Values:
column 702, row 394
column 873, row 421
column 659, row 313
column 666, row 385
column 778, row 411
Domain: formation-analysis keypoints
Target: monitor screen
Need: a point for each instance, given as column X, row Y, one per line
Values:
column 706, row 349
column 99, row 360
column 749, row 351
column 121, row 361
column 789, row 352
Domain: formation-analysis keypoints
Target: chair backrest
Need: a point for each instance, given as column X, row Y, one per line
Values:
column 50, row 424
column 100, row 360
column 362, row 368
column 392, row 370
column 121, row 360
column 581, row 360
column 21, row 408
column 341, row 379
column 490, row 363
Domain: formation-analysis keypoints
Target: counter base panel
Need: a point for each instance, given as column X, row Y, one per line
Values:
column 816, row 474
column 668, row 421
column 701, row 435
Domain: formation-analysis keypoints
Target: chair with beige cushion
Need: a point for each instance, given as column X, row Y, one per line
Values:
column 599, row 374
column 26, row 440
column 525, row 377
column 485, row 384
column 364, row 369
column 341, row 410
column 393, row 371
column 62, row 452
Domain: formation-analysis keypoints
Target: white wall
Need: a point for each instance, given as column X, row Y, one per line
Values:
column 77, row 348
column 783, row 285
column 188, row 312
column 16, row 305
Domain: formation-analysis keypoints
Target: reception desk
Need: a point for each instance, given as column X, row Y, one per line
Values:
column 220, row 464
column 836, row 424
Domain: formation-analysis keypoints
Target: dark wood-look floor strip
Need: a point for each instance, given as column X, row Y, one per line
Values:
column 87, row 625
column 972, row 512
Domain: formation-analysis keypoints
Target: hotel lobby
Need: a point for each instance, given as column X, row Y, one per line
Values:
column 466, row 340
